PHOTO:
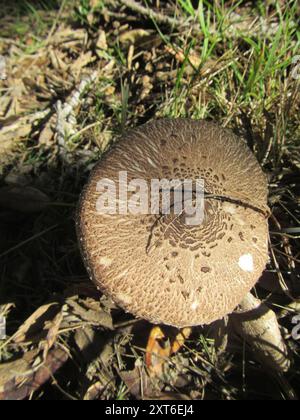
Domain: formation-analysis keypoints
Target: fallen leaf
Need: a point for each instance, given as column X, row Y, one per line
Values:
column 57, row 60
column 82, row 61
column 46, row 136
column 94, row 4
column 101, row 43
column 193, row 58
column 84, row 338
column 66, row 35
column 94, row 392
column 19, row 378
column 14, row 130
column 35, row 327
column 53, row 329
column 17, row 92
column 139, row 383
column 132, row 36
column 90, row 311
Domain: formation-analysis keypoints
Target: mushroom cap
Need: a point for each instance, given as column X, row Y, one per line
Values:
column 157, row 267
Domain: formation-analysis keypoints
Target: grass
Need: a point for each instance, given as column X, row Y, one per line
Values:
column 232, row 63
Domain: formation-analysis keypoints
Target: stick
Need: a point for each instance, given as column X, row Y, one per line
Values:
column 66, row 120
column 146, row 11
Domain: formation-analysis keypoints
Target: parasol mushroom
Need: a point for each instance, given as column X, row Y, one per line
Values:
column 157, row 266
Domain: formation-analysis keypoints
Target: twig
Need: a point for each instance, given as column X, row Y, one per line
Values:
column 53, row 28
column 66, row 119
column 27, row 119
column 146, row 11
column 84, row 129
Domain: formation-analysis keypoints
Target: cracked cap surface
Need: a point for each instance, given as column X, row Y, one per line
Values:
column 158, row 267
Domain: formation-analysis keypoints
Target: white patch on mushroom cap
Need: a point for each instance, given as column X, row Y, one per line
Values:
column 230, row 208
column 124, row 298
column 194, row 305
column 246, row 263
column 105, row 262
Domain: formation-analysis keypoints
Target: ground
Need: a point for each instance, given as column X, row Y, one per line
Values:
column 74, row 76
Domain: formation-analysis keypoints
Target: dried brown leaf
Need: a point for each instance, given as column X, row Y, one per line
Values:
column 52, row 327
column 132, row 36
column 46, row 136
column 82, row 61
column 57, row 59
column 18, row 379
column 93, row 4
column 139, row 384
column 16, row 129
column 101, row 43
column 90, row 311
column 35, row 326
column 66, row 35
column 94, row 392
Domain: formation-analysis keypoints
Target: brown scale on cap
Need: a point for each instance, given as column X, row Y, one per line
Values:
column 158, row 267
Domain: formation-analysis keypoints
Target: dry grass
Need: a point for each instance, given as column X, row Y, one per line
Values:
column 231, row 62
